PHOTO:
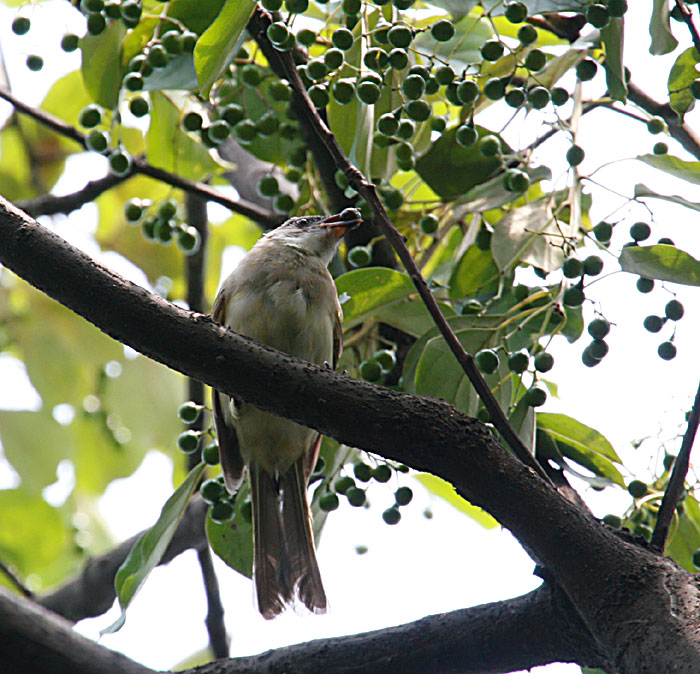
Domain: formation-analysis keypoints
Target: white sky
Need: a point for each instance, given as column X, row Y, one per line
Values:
column 421, row 567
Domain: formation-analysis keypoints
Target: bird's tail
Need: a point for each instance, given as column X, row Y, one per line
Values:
column 285, row 563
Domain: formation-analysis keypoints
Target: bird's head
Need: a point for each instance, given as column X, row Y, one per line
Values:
column 317, row 234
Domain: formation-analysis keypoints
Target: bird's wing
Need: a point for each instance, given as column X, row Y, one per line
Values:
column 337, row 335
column 232, row 463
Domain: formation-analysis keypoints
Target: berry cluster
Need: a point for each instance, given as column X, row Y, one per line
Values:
column 162, row 225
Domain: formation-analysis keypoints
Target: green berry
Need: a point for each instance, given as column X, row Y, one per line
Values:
column 572, row 268
column 167, row 209
column 172, row 41
column 138, row 106
column 489, row 146
column 592, row 265
column 97, row 141
column 518, row 362
column 495, row 89
column 667, row 350
column 381, row 473
column 370, row 370
column 368, row 92
column 516, row 180
column 471, row 307
column 245, row 130
column 403, row 496
column 361, row 549
column 442, row 30
column 575, row 155
column 189, row 412
column 598, row 15
column 329, row 502
column 535, row 61
column 617, row 8
column 96, row 23
column 189, row 41
column 400, row 36
column 342, row 38
column 90, row 116
column 391, row 515
column 492, row 50
column 277, row 33
column 559, row 96
column 413, row 87
column 210, row 454
column 35, row 63
column 586, row 69
column 656, row 125
column 573, row 297
column 158, row 56
column 438, row 124
column 188, row 442
column 598, row 328
column 544, row 362
column 538, row 97
column 393, row 198
column 192, row 121
column 221, row 511
column 296, row 6
column 429, row 223
column 613, row 521
column 133, row 210
column 487, row 361
column 603, row 232
column 268, row 186
column 212, row 491
column 695, row 89
column 356, row 497
column 637, row 489
column 343, row 91
column 362, row 472
column 467, row 91
column 419, row 111
column 527, row 34
column 21, row 25
column 69, row 42
column 660, row 148
column 640, row 231
column 445, row 75
column 388, row 124
column 306, row 37
column 283, row 203
column 360, row 256
column 598, row 348
column 516, row 12
column 343, row 483
column 588, row 359
column 674, row 310
column 319, row 96
column 386, row 359
column 189, row 240
column 535, row 396
column 466, row 135
column 515, row 97
column 653, row 323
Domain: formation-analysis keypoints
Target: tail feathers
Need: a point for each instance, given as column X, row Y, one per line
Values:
column 296, row 522
column 284, row 557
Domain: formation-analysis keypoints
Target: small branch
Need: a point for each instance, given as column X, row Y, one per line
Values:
column 216, row 628
column 676, row 485
column 676, row 128
column 259, row 22
column 15, row 580
column 688, row 20
column 91, row 592
column 267, row 219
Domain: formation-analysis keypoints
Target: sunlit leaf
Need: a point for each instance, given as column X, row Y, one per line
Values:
column 151, row 546
column 101, row 65
column 613, row 36
column 662, row 40
column 662, row 262
column 475, row 274
column 685, row 538
column 686, row 170
column 447, row 493
column 643, row 191
column 682, row 74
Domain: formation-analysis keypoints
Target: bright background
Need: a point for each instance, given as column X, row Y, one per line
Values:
column 421, row 566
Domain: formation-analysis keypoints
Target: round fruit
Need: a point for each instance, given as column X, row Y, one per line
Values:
column 210, row 454
column 655, row 125
column 598, row 15
column 69, row 42
column 189, row 240
column 445, row 75
column 489, row 146
column 471, row 307
column 592, row 265
column 362, row 472
column 413, row 87
column 586, row 69
column 268, row 186
column 356, row 497
column 370, row 370
column 386, row 359
column 559, row 96
column 212, row 491
column 342, row 38
column 617, row 8
column 90, row 116
column 640, row 231
column 296, row 6
column 518, row 362
column 403, row 496
column 96, row 23
column 343, row 483
column 35, row 63
column 588, row 359
column 598, row 328
column 172, row 41
column 495, row 89
column 329, row 502
column 575, row 155
column 400, row 36
column 466, row 135
column 527, row 34
column 319, row 95
column 544, row 362
column 573, row 297
column 189, row 412
column 277, row 32
column 316, row 70
column 660, row 148
column 133, row 210
column 598, row 348
column 442, row 30
column 638, row 489
column 97, row 141
column 674, row 310
column 515, row 97
column 467, row 91
column 221, row 511
column 157, row 56
column 603, row 232
column 188, row 442
column 653, row 323
column 368, row 92
column 516, row 180
column 391, row 515
column 138, row 106
column 381, row 473
column 283, row 203
column 333, row 58
column 392, row 198
column 535, row 396
column 516, row 12
column 536, row 60
column 419, row 111
column 667, row 350
column 492, row 50
column 572, row 268
column 306, row 37
column 613, row 521
column 343, row 91
column 429, row 223
column 487, row 361
column 21, row 25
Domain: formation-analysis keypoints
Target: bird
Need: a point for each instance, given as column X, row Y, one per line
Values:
column 282, row 295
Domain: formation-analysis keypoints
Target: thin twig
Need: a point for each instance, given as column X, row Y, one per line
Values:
column 15, row 580
column 688, row 20
column 265, row 218
column 259, row 22
column 216, row 628
column 676, row 485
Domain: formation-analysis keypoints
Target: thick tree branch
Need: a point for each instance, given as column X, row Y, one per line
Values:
column 676, row 485
column 267, row 219
column 91, row 592
column 258, row 26
column 519, row 633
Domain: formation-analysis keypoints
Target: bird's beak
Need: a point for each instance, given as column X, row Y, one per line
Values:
column 342, row 222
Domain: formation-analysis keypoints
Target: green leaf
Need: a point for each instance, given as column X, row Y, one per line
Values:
column 662, row 262
column 233, row 540
column 641, row 190
column 613, row 36
column 178, row 74
column 150, row 548
column 685, row 539
column 369, row 289
column 662, row 40
column 169, row 147
column 451, row 170
column 682, row 74
column 530, row 235
column 218, row 44
column 475, row 274
column 195, row 14
column 447, row 493
column 101, row 64
column 685, row 170
column 410, row 315
column 581, row 444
